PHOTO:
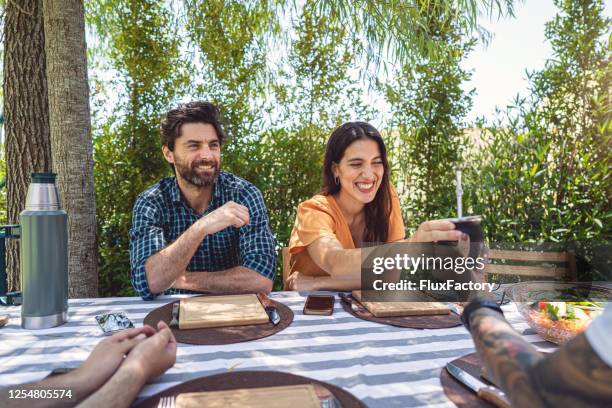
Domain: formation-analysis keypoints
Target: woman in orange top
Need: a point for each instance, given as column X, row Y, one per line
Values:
column 358, row 205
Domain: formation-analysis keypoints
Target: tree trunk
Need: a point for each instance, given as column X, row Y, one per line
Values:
column 71, row 143
column 26, row 112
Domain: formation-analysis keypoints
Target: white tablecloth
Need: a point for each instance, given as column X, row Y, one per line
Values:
column 384, row 366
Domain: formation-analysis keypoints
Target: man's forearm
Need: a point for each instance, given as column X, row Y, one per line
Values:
column 234, row 280
column 163, row 268
column 572, row 376
column 507, row 357
column 118, row 392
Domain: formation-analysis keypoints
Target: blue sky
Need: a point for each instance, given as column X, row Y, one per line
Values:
column 518, row 44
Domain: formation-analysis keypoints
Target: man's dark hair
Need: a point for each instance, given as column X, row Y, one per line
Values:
column 192, row 112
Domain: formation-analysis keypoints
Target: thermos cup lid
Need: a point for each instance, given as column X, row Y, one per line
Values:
column 42, row 193
column 43, row 178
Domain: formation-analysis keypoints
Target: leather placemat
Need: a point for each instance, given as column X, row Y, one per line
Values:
column 249, row 379
column 221, row 335
column 459, row 394
column 411, row 322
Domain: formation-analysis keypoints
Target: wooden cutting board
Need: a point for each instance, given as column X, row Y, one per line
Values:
column 420, row 307
column 219, row 311
column 298, row 396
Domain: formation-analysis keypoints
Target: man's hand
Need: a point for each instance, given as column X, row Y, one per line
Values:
column 437, row 230
column 229, row 214
column 108, row 355
column 153, row 356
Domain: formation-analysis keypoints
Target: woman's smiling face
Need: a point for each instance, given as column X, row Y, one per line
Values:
column 360, row 171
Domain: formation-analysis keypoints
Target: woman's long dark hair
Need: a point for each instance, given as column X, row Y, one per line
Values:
column 378, row 210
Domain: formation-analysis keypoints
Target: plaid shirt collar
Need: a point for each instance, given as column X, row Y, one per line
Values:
column 177, row 196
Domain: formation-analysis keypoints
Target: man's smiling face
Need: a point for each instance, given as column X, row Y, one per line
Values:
column 197, row 154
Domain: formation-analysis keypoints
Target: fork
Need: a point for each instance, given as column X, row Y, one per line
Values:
column 166, row 402
column 175, row 311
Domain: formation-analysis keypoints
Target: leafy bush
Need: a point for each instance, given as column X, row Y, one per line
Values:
column 540, row 173
column 544, row 173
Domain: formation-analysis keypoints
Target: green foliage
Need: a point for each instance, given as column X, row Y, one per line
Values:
column 316, row 87
column 426, row 131
column 144, row 50
column 230, row 37
column 544, row 174
column 284, row 77
column 287, row 174
column 400, row 30
column 312, row 96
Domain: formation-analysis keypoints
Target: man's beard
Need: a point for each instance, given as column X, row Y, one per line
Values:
column 190, row 173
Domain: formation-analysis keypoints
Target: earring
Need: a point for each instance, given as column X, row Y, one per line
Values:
column 337, row 180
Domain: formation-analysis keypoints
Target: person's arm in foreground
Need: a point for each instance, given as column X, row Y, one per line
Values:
column 344, row 265
column 148, row 359
column 101, row 364
column 574, row 375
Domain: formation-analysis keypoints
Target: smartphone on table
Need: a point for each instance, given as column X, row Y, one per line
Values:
column 319, row 305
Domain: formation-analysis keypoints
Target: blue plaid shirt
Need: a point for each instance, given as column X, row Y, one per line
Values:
column 161, row 215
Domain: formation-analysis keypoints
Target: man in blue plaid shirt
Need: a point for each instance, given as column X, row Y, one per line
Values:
column 203, row 230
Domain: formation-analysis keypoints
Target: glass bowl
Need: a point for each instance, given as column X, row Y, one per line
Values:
column 531, row 299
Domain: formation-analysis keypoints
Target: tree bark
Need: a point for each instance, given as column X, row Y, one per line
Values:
column 71, row 143
column 26, row 113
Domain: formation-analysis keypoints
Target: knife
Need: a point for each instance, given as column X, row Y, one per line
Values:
column 488, row 393
column 355, row 307
column 175, row 312
column 269, row 308
column 325, row 396
column 455, row 308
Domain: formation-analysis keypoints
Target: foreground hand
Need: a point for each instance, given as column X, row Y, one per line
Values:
column 300, row 282
column 153, row 356
column 229, row 214
column 437, row 230
column 108, row 355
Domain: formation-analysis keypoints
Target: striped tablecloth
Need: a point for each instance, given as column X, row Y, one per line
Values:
column 384, row 366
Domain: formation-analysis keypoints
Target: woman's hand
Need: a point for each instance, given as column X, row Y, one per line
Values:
column 302, row 283
column 152, row 356
column 108, row 355
column 437, row 230
column 147, row 359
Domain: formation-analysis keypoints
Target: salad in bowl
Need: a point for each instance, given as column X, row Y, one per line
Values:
column 559, row 311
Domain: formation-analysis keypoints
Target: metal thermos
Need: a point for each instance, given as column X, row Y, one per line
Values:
column 44, row 256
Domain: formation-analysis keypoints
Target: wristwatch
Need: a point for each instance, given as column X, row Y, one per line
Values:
column 477, row 304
